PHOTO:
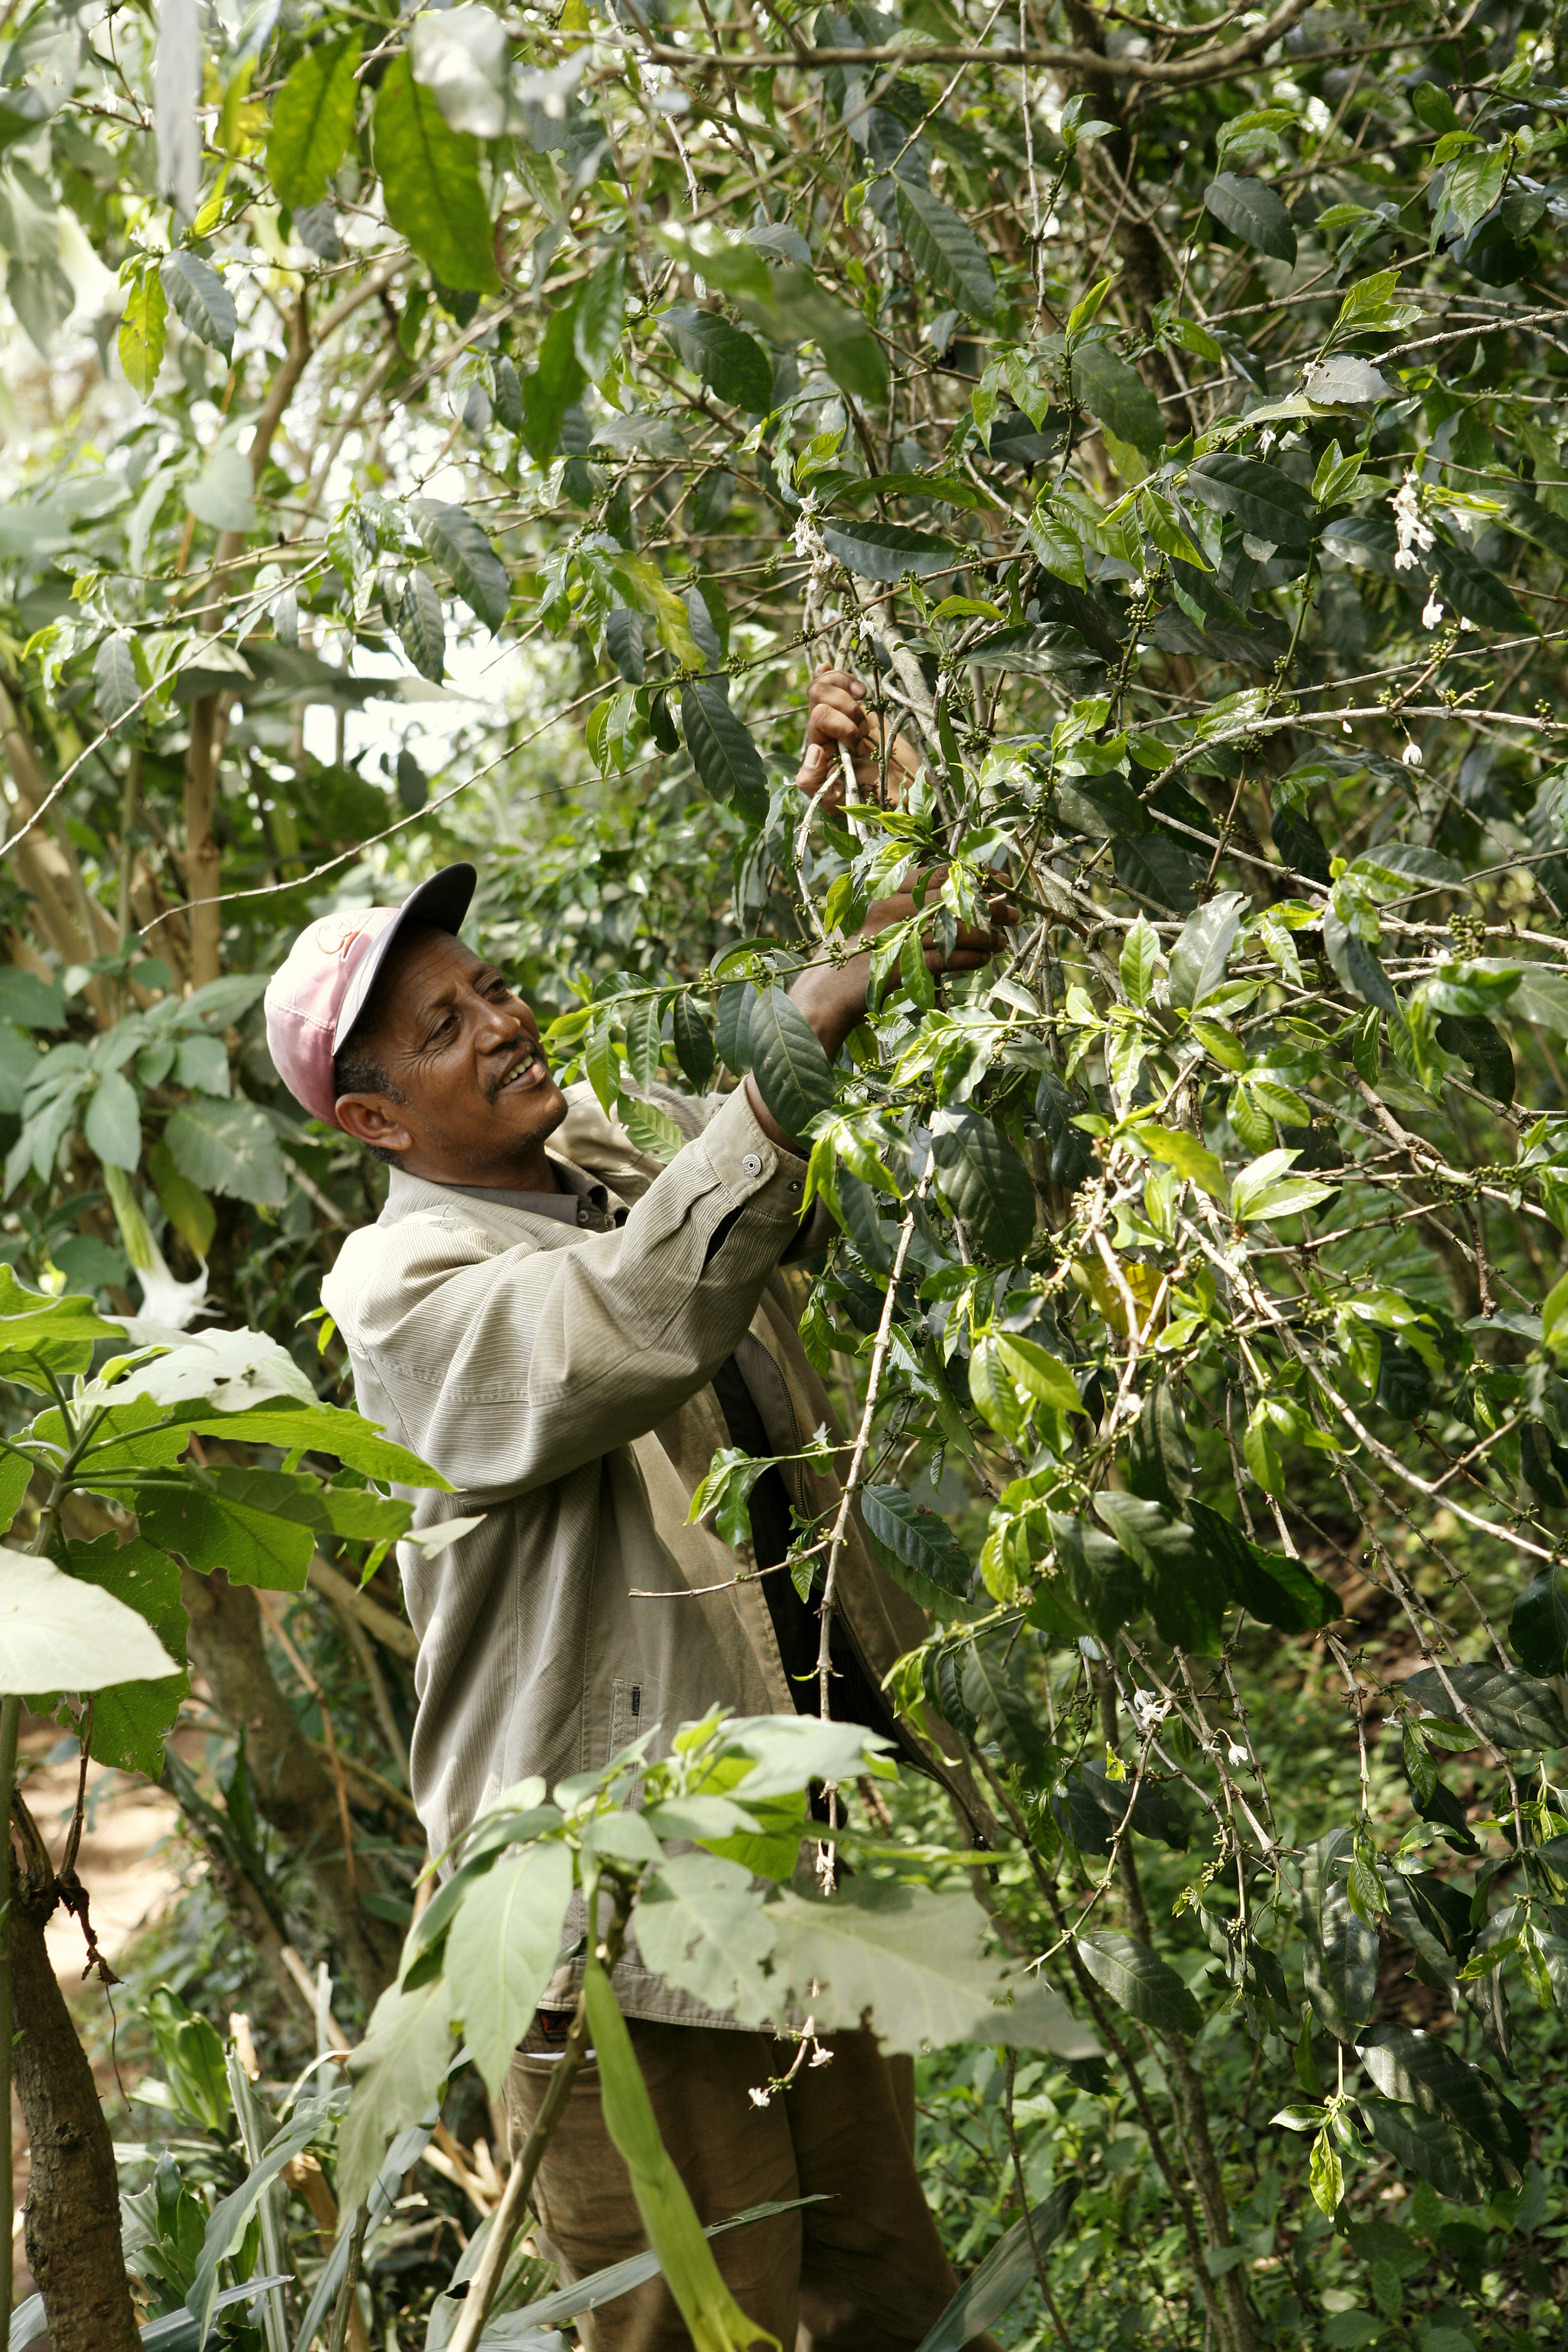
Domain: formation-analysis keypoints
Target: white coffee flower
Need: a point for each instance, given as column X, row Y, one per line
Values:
column 1433, row 612
column 1148, row 1711
column 1415, row 535
column 1411, row 755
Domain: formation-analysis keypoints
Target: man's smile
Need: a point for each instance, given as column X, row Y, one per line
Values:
column 529, row 1069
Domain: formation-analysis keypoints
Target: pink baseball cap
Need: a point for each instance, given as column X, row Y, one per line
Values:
column 313, row 1001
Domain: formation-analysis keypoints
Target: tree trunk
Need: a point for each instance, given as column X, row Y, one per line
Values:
column 293, row 1789
column 73, row 2196
column 204, row 859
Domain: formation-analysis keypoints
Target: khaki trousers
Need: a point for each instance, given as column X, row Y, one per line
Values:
column 863, row 2270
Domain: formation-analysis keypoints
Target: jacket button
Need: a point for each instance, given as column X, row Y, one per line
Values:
column 751, row 1165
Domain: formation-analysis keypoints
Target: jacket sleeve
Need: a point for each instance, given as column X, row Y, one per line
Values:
column 508, row 1370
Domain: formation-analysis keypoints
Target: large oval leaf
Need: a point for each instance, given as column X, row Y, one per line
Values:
column 58, row 1634
column 1254, row 212
column 1264, row 498
column 204, row 302
column 945, row 250
column 735, row 365
column 1140, row 1981
column 1115, row 392
column 477, row 572
column 430, row 183
column 886, row 551
column 312, row 120
column 922, row 1550
column 793, row 1073
column 983, row 1182
column 727, row 761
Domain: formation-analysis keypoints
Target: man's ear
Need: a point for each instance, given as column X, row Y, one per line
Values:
column 373, row 1119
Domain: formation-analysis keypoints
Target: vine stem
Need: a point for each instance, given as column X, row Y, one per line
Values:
column 525, row 2166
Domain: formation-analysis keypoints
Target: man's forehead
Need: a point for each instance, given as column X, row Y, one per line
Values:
column 433, row 967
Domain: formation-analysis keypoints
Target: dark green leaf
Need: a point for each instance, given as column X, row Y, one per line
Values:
column 1097, row 1805
column 252, row 1546
column 1429, row 2147
column 918, row 1546
column 735, row 365
column 1264, row 498
column 422, row 627
column 1138, row 1982
column 693, row 1039
column 1483, row 1045
column 624, row 639
column 1511, row 1710
column 1035, row 649
column 1254, row 212
column 1200, row 955
column 1340, row 1963
column 1357, row 964
column 1539, row 1626
column 732, row 1031
column 886, row 551
column 999, row 1700
column 1476, row 592
column 1186, row 1590
column 1420, row 2071
column 1159, row 1458
column 1118, row 395
column 549, row 390
column 117, row 688
column 1072, row 1152
column 1272, row 1587
column 945, row 250
column 129, row 1720
column 313, row 119
column 793, row 1074
column 204, row 302
column 996, row 2284
column 983, row 1182
column 477, row 572
column 1107, row 1583
column 727, row 761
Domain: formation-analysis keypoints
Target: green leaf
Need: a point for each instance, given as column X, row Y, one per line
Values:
column 39, row 1334
column 1186, row 1589
column 983, row 1182
column 1116, row 394
column 113, row 1121
column 479, row 576
column 222, row 496
column 118, row 687
column 397, row 2072
column 1034, row 1368
column 1539, row 1626
column 1174, row 1148
column 734, row 364
column 1420, row 2071
column 728, row 765
column 920, row 1550
column 914, row 1960
column 700, row 1924
column 501, row 1951
column 599, row 316
column 131, row 1720
column 204, row 302
column 430, row 183
column 996, row 1698
column 1357, row 964
column 1426, row 2145
column 1199, row 958
column 793, row 1074
column 1326, row 2175
column 422, row 626
column 231, row 2217
column 945, row 250
column 716, row 2322
column 1254, row 212
column 1107, row 1582
column 229, row 1147
column 253, row 1547
column 886, row 551
column 994, row 1388
column 549, row 390
column 1035, row 649
column 1476, row 592
column 732, row 1034
column 1138, row 1982
column 359, row 1444
column 1273, row 1588
column 312, row 121
column 1139, row 955
column 995, row 2285
column 1265, row 500
column 1340, row 1965
column 1511, row 1710
column 60, row 1632
column 693, row 1039
column 1159, row 1458
column 143, row 328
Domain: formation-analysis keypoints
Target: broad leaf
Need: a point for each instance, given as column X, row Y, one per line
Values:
column 1420, row 2071
column 229, row 1147
column 1511, row 1710
column 422, row 626
column 995, row 2285
column 430, row 182
column 700, row 1924
column 983, row 1182
column 60, row 1633
column 130, row 1720
column 945, row 250
column 921, row 1549
column 1266, row 501
column 886, row 551
column 477, row 573
column 1254, row 212
column 1185, row 1587
column 794, row 1074
column 313, row 119
column 1116, row 394
column 397, row 2072
column 1341, row 1961
column 1138, row 1982
column 501, row 1950
column 204, row 302
column 1200, row 955
column 735, row 365
column 722, row 752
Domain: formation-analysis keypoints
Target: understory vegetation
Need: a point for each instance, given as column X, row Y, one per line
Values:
column 460, row 433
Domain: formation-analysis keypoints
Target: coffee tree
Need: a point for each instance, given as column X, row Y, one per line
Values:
column 1160, row 411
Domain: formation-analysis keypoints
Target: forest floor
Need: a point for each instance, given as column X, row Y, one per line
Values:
column 131, row 1863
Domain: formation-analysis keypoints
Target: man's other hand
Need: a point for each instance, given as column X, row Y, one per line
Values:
column 837, row 714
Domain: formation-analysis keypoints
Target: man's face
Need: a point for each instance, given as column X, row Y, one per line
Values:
column 470, row 1098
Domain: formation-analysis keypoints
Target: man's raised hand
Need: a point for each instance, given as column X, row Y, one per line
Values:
column 837, row 714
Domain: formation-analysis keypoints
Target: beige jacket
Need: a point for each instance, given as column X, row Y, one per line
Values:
column 560, row 1380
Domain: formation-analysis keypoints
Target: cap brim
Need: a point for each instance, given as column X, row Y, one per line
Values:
column 439, row 905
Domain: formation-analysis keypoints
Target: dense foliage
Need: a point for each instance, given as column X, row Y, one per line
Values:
column 453, row 433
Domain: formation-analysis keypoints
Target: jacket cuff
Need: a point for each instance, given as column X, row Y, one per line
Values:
column 755, row 1172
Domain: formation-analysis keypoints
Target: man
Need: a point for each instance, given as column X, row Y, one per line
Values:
column 567, row 1331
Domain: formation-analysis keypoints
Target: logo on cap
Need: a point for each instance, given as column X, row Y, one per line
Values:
column 337, row 935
